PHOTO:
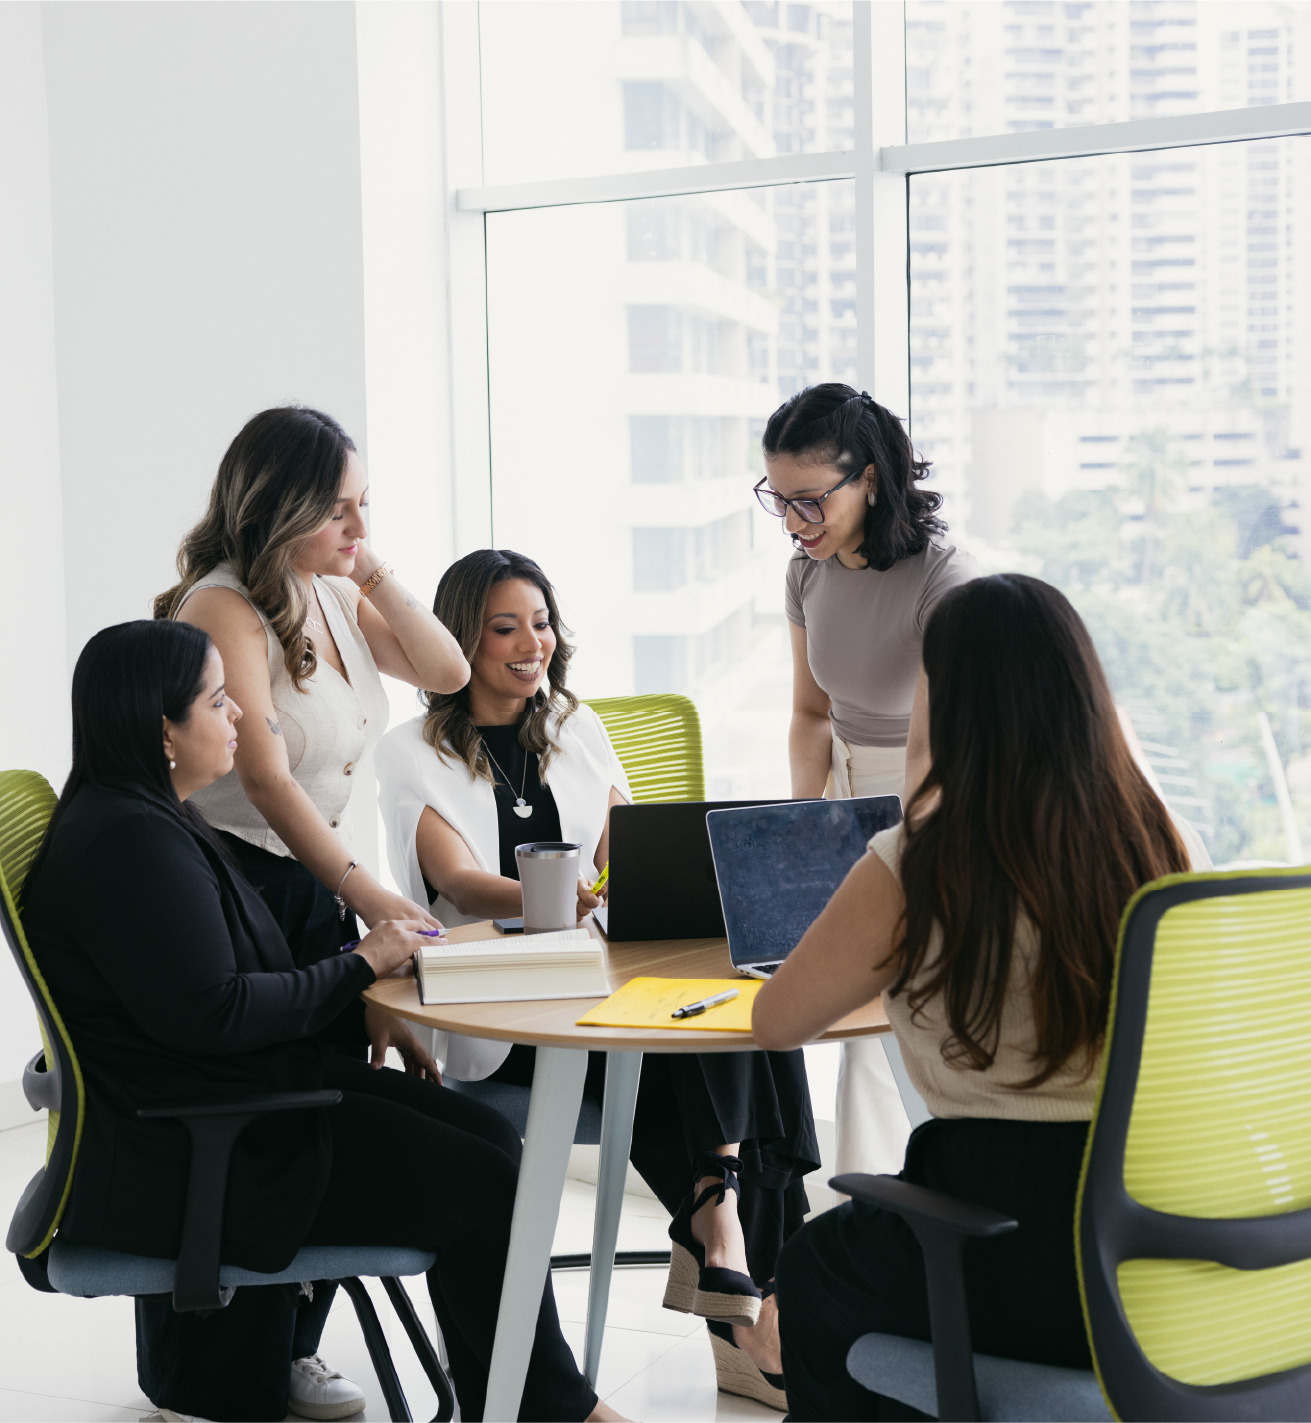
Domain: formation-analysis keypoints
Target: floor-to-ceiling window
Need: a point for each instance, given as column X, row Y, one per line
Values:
column 691, row 210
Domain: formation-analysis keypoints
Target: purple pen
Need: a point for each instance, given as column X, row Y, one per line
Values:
column 427, row 934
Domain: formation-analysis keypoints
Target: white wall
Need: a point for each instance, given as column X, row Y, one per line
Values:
column 185, row 239
column 34, row 723
column 208, row 261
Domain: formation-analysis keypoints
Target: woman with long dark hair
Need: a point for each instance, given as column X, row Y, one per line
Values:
column 723, row 1139
column 306, row 615
column 186, row 989
column 988, row 922
column 872, row 562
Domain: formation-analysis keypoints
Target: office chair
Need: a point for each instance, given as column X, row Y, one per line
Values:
column 196, row 1279
column 1193, row 1220
column 658, row 741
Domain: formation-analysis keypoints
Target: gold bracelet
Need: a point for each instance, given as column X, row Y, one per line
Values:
column 376, row 577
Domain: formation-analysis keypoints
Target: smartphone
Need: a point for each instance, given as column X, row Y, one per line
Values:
column 508, row 926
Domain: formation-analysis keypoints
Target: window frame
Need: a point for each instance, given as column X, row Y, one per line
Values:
column 881, row 164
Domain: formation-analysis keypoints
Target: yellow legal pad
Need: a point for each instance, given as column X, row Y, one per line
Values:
column 648, row 1003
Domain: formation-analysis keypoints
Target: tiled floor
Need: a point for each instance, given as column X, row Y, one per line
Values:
column 70, row 1359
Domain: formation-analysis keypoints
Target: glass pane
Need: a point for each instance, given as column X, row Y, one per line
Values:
column 1111, row 368
column 576, row 86
column 636, row 351
column 999, row 66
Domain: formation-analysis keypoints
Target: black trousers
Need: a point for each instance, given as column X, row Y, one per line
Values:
column 315, row 929
column 856, row 1269
column 690, row 1103
column 413, row 1164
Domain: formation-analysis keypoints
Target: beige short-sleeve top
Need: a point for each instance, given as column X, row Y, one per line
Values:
column 865, row 634
column 950, row 1089
column 328, row 725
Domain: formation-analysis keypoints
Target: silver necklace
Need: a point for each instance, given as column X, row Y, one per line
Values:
column 521, row 807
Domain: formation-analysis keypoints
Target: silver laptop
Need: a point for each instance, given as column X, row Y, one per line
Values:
column 777, row 866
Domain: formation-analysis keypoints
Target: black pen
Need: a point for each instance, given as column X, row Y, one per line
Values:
column 693, row 1009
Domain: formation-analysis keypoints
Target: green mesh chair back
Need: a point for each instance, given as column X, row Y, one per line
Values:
column 26, row 804
column 1194, row 1219
column 658, row 741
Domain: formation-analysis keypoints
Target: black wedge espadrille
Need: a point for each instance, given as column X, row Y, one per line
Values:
column 712, row 1292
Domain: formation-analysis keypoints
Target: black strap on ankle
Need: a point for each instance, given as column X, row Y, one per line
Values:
column 727, row 1168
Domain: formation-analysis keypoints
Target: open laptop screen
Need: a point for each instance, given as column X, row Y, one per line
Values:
column 778, row 865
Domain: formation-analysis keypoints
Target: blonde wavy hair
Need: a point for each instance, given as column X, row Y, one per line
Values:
column 461, row 603
column 277, row 486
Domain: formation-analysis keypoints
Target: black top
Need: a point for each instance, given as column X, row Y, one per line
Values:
column 177, row 986
column 513, row 767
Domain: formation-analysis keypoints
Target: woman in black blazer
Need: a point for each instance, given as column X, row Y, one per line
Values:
column 177, row 985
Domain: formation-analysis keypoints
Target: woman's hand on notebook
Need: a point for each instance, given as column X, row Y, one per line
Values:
column 587, row 901
column 392, row 944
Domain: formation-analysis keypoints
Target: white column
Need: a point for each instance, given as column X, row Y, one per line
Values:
column 882, row 302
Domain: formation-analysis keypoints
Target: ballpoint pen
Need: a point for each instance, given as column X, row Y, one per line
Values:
column 427, row 934
column 693, row 1009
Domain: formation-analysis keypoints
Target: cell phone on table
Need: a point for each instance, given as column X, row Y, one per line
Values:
column 508, row 926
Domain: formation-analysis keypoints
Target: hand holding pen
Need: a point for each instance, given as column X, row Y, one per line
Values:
column 590, row 896
column 392, row 944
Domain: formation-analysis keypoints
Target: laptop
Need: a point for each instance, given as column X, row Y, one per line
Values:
column 778, row 866
column 662, row 877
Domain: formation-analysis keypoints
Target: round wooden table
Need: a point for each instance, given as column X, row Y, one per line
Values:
column 557, row 1091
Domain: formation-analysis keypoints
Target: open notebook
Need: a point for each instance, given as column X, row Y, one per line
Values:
column 564, row 964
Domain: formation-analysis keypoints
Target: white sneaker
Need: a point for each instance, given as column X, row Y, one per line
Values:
column 317, row 1391
column 166, row 1415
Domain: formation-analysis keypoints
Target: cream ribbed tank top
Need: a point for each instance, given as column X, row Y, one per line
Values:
column 328, row 726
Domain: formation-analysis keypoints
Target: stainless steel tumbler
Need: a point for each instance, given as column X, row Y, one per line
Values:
column 548, row 871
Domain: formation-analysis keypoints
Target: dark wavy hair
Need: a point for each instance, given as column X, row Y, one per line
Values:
column 461, row 604
column 128, row 678
column 1040, row 808
column 277, row 486
column 832, row 424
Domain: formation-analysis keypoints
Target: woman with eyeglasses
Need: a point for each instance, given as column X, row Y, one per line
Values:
column 870, row 567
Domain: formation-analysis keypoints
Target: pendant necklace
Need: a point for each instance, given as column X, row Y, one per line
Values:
column 521, row 807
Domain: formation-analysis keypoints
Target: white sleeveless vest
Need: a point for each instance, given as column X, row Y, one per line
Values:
column 411, row 776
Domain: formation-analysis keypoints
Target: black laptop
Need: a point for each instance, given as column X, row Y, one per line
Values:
column 778, row 867
column 662, row 874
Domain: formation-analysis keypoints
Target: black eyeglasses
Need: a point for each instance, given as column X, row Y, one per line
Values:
column 810, row 510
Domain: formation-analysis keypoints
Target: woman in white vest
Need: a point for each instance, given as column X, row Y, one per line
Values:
column 514, row 757
column 870, row 567
column 305, row 616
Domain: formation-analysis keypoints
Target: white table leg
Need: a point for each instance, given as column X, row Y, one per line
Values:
column 552, row 1116
column 622, row 1070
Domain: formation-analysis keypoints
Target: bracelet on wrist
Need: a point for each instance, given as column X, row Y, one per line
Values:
column 341, row 903
column 374, row 578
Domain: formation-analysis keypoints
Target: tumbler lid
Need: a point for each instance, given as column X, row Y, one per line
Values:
column 548, row 850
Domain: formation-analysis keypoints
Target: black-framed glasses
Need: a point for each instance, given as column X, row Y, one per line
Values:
column 811, row 510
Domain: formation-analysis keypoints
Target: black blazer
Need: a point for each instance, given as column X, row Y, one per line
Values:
column 177, row 986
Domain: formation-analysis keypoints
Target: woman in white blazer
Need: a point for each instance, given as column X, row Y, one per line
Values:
column 514, row 757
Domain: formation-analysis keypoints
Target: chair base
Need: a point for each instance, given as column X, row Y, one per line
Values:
column 90, row 1272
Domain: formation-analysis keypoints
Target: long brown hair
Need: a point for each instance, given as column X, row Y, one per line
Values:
column 277, row 485
column 1040, row 808
column 461, row 603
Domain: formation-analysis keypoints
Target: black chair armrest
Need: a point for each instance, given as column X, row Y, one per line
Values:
column 942, row 1224
column 214, row 1128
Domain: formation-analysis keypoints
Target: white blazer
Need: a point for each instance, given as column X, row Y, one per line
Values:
column 411, row 776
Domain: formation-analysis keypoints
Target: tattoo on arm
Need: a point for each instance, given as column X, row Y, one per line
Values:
column 274, row 726
column 409, row 601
